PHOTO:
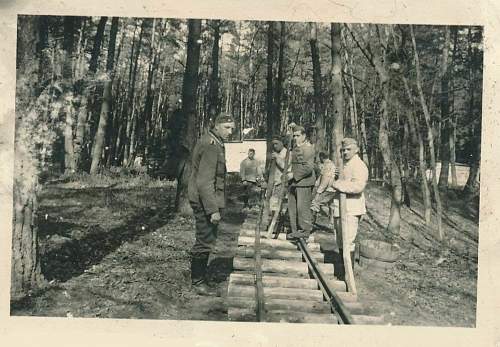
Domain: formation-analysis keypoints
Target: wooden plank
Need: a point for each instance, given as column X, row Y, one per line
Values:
column 368, row 320
column 248, row 315
column 249, row 241
column 276, row 293
column 281, row 304
column 274, row 281
column 297, row 269
column 270, row 253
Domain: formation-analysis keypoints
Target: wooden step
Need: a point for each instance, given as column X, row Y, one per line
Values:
column 276, row 293
column 301, row 305
column 247, row 251
column 273, row 281
column 249, row 315
column 250, row 241
column 368, row 320
column 293, row 268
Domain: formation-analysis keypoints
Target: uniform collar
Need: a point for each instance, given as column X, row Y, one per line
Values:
column 216, row 138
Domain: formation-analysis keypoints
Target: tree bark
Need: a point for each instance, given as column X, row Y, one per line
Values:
column 318, row 93
column 430, row 137
column 106, row 102
column 338, row 118
column 445, row 114
column 67, row 97
column 269, row 89
column 96, row 49
column 25, row 265
column 214, row 102
column 189, row 97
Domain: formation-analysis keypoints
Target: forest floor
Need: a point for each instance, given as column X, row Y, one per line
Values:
column 113, row 248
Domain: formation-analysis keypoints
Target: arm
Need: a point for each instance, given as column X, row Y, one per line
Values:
column 356, row 184
column 205, row 179
column 327, row 174
column 242, row 170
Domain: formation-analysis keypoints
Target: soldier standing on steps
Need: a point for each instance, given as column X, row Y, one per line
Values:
column 206, row 191
column 352, row 184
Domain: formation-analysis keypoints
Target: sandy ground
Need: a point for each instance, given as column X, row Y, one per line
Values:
column 116, row 250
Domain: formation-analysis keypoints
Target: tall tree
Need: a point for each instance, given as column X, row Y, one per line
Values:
column 214, row 102
column 318, row 97
column 445, row 112
column 106, row 100
column 26, row 266
column 188, row 130
column 430, row 134
column 270, row 87
column 338, row 118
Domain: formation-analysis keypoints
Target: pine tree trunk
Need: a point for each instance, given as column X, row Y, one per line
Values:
column 269, row 89
column 189, row 97
column 25, row 264
column 214, row 102
column 106, row 101
column 338, row 118
column 318, row 98
column 67, row 97
column 445, row 114
column 430, row 137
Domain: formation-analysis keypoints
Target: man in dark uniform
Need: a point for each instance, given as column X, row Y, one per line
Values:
column 206, row 191
column 301, row 182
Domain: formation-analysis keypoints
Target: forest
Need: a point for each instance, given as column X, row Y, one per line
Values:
column 107, row 95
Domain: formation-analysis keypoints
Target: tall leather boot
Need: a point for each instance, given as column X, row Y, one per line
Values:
column 198, row 274
column 341, row 271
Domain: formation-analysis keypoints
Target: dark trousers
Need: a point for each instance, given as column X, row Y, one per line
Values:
column 206, row 232
column 250, row 193
column 299, row 208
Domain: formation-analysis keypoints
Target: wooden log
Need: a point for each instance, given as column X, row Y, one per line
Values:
column 368, row 320
column 249, row 241
column 281, row 304
column 297, row 269
column 246, row 315
column 270, row 253
column 337, row 286
column 356, row 308
column 347, row 297
column 274, row 281
column 276, row 293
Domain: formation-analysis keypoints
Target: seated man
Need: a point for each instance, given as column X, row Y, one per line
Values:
column 251, row 175
column 324, row 192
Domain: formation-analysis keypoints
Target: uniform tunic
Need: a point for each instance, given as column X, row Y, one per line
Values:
column 299, row 198
column 206, row 188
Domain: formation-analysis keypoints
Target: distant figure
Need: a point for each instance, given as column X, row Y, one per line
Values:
column 251, row 176
column 301, row 182
column 206, row 191
column 324, row 190
column 352, row 184
column 279, row 155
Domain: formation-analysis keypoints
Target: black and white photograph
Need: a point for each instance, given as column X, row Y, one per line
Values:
column 298, row 172
column 273, row 172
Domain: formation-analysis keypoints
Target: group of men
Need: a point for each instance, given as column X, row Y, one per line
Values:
column 207, row 189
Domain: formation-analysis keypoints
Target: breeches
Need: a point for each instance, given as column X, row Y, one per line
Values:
column 206, row 232
column 350, row 232
column 299, row 208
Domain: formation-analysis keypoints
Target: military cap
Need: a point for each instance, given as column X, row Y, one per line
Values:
column 224, row 118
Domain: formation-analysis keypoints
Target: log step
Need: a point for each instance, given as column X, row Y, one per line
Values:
column 306, row 306
column 248, row 315
column 276, row 293
column 295, row 268
column 273, row 281
column 274, row 243
column 271, row 253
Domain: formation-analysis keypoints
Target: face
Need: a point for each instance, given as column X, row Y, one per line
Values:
column 299, row 137
column 349, row 151
column 224, row 130
column 277, row 147
column 251, row 154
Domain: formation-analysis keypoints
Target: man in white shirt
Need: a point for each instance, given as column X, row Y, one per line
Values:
column 352, row 184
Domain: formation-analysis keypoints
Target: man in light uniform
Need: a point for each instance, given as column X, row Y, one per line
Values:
column 353, row 184
column 206, row 191
column 279, row 155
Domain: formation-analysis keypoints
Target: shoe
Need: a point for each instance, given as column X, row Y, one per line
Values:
column 199, row 273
